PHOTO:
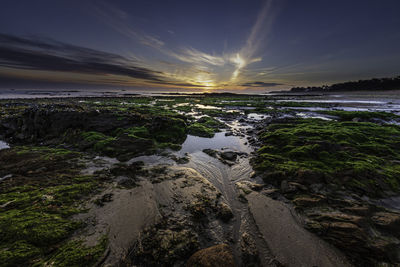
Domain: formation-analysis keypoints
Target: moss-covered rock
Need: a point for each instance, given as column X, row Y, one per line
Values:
column 357, row 155
column 198, row 129
column 205, row 127
column 37, row 201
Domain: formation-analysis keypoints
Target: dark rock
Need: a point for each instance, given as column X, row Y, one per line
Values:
column 182, row 160
column 229, row 155
column 125, row 181
column 287, row 188
column 224, row 212
column 210, row 152
column 388, row 221
column 166, row 247
column 215, row 256
column 249, row 250
column 105, row 198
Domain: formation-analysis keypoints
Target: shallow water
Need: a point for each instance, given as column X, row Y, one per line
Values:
column 219, row 141
column 311, row 115
column 257, row 117
column 98, row 163
column 207, row 106
column 224, row 177
column 391, row 203
column 3, row 145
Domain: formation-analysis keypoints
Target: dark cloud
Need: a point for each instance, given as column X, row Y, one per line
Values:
column 50, row 55
column 260, row 84
column 7, row 82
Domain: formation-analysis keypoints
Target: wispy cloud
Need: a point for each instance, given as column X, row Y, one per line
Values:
column 257, row 38
column 119, row 21
column 78, row 63
column 184, row 66
column 192, row 55
column 218, row 63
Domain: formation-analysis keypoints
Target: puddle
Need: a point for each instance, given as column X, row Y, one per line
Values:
column 152, row 160
column 257, row 117
column 206, row 106
column 3, row 145
column 240, row 107
column 194, row 144
column 313, row 116
column 391, row 203
column 181, row 105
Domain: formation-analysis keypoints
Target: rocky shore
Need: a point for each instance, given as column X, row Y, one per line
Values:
column 196, row 181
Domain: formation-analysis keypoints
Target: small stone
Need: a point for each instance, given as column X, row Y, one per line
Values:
column 229, row 155
column 286, row 187
column 225, row 212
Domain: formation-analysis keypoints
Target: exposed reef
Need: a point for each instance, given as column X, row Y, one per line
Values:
column 201, row 180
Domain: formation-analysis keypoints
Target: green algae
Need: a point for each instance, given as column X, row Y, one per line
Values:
column 169, row 130
column 76, row 253
column 138, row 132
column 199, row 129
column 358, row 155
column 99, row 141
column 160, row 132
column 35, row 217
column 17, row 254
column 364, row 115
column 205, row 127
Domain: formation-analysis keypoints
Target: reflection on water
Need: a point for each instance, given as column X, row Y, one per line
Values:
column 194, row 144
column 3, row 145
column 311, row 115
column 391, row 203
column 257, row 117
column 332, row 101
column 206, row 106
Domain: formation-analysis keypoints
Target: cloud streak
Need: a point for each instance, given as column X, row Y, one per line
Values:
column 218, row 64
column 260, row 84
column 32, row 54
column 258, row 35
column 118, row 20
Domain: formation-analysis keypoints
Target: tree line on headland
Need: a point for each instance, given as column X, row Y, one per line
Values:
column 361, row 85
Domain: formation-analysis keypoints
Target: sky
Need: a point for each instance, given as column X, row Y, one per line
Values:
column 228, row 45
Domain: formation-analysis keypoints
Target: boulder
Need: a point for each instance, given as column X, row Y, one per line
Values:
column 224, row 212
column 229, row 155
column 215, row 256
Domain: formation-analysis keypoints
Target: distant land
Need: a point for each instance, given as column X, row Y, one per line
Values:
column 361, row 85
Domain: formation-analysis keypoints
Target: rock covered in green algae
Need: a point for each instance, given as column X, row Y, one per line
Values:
column 326, row 168
column 215, row 256
column 105, row 128
column 37, row 203
column 159, row 245
column 205, row 127
column 356, row 155
column 226, row 157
